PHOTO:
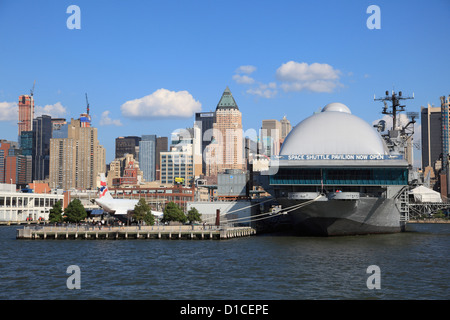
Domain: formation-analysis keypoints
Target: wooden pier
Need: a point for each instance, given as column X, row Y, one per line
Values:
column 133, row 232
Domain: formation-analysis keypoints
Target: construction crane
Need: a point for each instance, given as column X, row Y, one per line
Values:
column 32, row 89
column 87, row 104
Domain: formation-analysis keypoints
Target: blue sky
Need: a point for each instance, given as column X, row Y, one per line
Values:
column 166, row 59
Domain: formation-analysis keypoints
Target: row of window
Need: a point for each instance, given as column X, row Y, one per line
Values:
column 341, row 176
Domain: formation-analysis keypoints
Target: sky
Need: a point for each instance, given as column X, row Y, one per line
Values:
column 148, row 66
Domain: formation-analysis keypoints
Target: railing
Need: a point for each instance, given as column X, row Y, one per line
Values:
column 162, row 228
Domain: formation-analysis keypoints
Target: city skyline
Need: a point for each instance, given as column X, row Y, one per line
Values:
column 147, row 68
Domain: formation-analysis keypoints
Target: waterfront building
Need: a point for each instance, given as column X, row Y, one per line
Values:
column 157, row 197
column 76, row 161
column 20, row 207
column 231, row 213
column 233, row 185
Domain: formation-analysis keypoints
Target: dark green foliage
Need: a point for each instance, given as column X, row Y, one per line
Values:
column 172, row 212
column 56, row 213
column 75, row 211
column 143, row 212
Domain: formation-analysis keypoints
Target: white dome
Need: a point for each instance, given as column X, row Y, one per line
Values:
column 336, row 106
column 333, row 131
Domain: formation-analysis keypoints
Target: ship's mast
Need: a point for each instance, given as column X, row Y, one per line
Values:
column 397, row 137
column 395, row 107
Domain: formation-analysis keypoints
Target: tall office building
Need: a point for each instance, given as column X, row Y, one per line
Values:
column 126, row 145
column 147, row 156
column 205, row 121
column 42, row 129
column 26, row 113
column 227, row 132
column 162, row 144
column 76, row 161
column 445, row 125
column 285, row 128
column 271, row 137
column 431, row 136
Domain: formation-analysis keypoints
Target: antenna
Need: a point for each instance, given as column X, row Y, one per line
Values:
column 396, row 107
column 87, row 104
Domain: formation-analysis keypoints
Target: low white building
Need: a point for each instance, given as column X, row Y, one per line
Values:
column 232, row 213
column 20, row 206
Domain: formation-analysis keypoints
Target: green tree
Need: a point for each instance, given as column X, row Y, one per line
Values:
column 75, row 211
column 172, row 212
column 194, row 215
column 143, row 212
column 56, row 213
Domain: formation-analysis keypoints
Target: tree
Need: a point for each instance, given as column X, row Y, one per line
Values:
column 143, row 212
column 56, row 213
column 194, row 215
column 75, row 211
column 172, row 212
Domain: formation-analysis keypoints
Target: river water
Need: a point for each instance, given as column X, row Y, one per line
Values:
column 412, row 265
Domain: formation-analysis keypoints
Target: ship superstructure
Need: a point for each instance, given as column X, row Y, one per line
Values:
column 339, row 176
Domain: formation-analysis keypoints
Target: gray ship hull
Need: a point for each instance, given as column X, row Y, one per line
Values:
column 345, row 217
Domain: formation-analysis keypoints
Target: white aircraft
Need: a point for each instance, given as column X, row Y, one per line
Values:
column 118, row 207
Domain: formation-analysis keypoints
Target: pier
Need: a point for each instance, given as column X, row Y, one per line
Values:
column 132, row 232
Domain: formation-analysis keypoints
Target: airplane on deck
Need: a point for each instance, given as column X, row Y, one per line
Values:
column 117, row 207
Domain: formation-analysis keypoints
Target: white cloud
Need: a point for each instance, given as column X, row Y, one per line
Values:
column 243, row 79
column 264, row 90
column 246, row 69
column 162, row 103
column 9, row 111
column 54, row 110
column 105, row 120
column 316, row 77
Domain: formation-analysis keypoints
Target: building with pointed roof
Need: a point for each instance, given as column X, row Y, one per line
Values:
column 227, row 131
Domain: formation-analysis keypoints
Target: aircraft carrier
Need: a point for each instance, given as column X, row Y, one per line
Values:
column 338, row 175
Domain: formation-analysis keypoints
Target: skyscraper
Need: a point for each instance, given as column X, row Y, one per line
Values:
column 270, row 137
column 445, row 126
column 26, row 113
column 42, row 129
column 76, row 161
column 285, row 128
column 431, row 136
column 126, row 145
column 147, row 157
column 162, row 144
column 227, row 132
column 205, row 121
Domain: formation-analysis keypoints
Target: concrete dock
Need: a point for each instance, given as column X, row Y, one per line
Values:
column 133, row 232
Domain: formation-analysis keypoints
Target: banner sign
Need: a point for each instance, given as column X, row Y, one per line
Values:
column 337, row 157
